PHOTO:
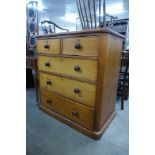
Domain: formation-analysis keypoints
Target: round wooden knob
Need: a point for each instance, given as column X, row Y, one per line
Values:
column 46, row 46
column 77, row 90
column 77, row 46
column 74, row 113
column 77, row 68
column 48, row 82
column 49, row 101
column 47, row 64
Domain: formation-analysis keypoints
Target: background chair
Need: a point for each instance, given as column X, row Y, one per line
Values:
column 50, row 27
column 92, row 14
column 123, row 82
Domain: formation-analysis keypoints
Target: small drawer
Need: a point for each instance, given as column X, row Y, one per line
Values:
column 80, row 68
column 48, row 46
column 84, row 46
column 82, row 92
column 76, row 112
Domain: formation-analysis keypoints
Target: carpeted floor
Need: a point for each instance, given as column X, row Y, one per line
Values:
column 47, row 136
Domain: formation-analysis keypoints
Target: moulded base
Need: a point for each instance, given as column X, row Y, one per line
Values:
column 93, row 134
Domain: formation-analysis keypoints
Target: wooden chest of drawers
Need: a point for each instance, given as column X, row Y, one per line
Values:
column 78, row 76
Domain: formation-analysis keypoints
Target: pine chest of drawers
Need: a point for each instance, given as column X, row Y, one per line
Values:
column 78, row 75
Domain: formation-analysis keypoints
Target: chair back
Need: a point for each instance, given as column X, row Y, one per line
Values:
column 92, row 14
column 50, row 27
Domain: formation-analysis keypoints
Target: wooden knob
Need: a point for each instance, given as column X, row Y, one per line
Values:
column 46, row 46
column 77, row 46
column 74, row 113
column 48, row 82
column 49, row 101
column 47, row 64
column 77, row 68
column 77, row 90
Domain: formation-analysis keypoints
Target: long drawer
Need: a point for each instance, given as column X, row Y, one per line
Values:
column 81, row 68
column 82, row 92
column 85, row 46
column 78, row 113
column 48, row 46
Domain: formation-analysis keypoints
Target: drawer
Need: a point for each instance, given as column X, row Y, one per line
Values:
column 78, row 113
column 48, row 46
column 80, row 68
column 85, row 46
column 78, row 91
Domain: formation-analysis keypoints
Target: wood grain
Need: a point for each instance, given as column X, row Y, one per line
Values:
column 88, row 32
column 67, row 66
column 108, row 71
column 99, row 58
column 83, row 115
column 89, row 46
column 66, row 87
column 54, row 46
column 93, row 134
column 69, row 56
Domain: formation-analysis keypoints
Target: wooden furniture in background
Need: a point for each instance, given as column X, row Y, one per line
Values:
column 121, row 26
column 123, row 81
column 31, row 62
column 50, row 27
column 31, row 73
column 78, row 77
column 92, row 14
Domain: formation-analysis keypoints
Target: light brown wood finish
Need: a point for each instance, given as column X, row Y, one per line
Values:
column 108, row 71
column 88, row 32
column 53, row 46
column 88, row 46
column 98, row 95
column 93, row 134
column 69, row 56
column 76, row 112
column 68, row 66
column 66, row 87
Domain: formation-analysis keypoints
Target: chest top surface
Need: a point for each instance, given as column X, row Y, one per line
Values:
column 83, row 32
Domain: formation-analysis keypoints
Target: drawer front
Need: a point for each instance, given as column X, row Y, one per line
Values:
column 85, row 46
column 78, row 113
column 79, row 91
column 49, row 46
column 85, row 69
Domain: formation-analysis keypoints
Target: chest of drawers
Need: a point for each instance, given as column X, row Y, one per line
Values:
column 78, row 76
